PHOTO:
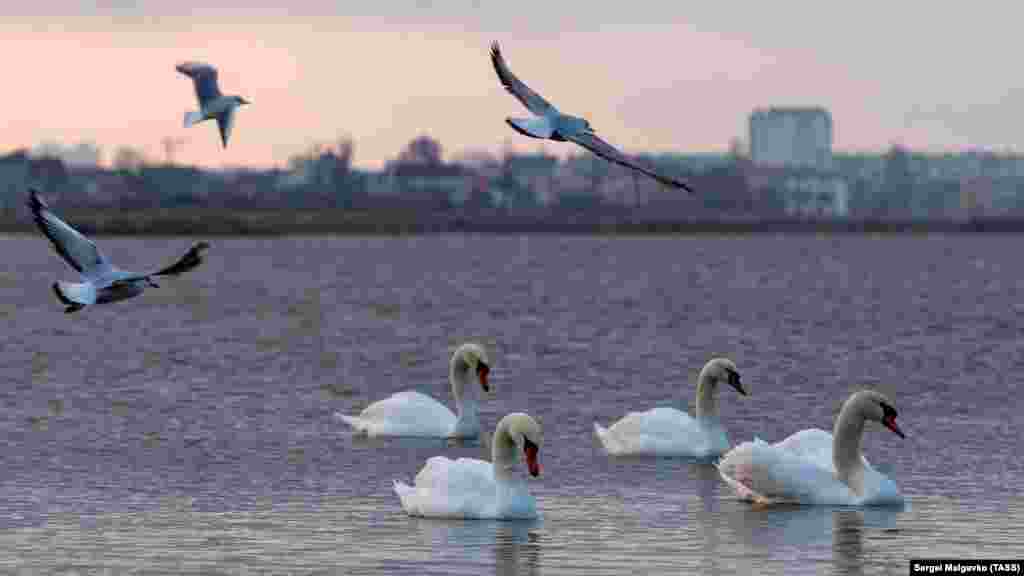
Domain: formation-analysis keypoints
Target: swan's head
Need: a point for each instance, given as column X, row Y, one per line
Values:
column 875, row 406
column 474, row 357
column 722, row 370
column 525, row 433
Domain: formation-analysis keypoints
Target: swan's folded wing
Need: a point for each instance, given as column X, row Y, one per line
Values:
column 813, row 445
column 777, row 475
column 407, row 413
column 664, row 430
column 446, row 488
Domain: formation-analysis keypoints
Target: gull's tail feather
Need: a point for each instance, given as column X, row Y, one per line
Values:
column 75, row 295
column 191, row 259
column 355, row 422
column 609, row 441
column 192, row 118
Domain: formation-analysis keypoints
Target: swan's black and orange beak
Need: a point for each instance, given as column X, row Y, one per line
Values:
column 890, row 423
column 734, row 381
column 531, row 451
column 889, row 420
column 482, row 370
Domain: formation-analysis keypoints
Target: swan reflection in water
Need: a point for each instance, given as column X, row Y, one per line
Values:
column 791, row 532
column 786, row 532
column 511, row 546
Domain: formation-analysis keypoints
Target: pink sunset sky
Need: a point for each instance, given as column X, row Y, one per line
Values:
column 651, row 76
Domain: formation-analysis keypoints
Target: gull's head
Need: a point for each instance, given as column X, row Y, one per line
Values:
column 474, row 357
column 722, row 370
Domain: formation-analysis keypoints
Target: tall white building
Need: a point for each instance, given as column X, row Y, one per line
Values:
column 791, row 137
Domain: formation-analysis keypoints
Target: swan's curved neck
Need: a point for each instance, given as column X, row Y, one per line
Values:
column 846, row 454
column 504, row 453
column 707, row 400
column 466, row 410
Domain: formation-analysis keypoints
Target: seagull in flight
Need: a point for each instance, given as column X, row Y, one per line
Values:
column 101, row 282
column 212, row 104
column 550, row 124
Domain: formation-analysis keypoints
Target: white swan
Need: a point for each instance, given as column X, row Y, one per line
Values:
column 670, row 432
column 411, row 413
column 815, row 467
column 471, row 488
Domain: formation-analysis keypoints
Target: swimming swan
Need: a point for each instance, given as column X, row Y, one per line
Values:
column 670, row 432
column 471, row 488
column 815, row 467
column 411, row 413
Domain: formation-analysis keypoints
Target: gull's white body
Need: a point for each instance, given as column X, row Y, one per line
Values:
column 666, row 431
column 411, row 413
column 471, row 488
column 811, row 466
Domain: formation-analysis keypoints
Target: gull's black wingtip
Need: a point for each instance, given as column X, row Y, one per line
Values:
column 495, row 50
column 35, row 201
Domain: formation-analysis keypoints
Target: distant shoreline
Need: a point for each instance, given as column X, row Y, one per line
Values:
column 339, row 222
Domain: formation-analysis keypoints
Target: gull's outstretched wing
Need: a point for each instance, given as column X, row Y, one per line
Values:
column 191, row 259
column 533, row 101
column 592, row 142
column 204, row 77
column 226, row 121
column 77, row 250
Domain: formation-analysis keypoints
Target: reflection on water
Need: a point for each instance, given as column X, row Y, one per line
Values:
column 512, row 547
column 518, row 549
column 848, row 542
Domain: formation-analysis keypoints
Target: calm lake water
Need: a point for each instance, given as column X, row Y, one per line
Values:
column 189, row 431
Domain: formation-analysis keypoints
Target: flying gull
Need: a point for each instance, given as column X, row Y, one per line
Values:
column 550, row 124
column 212, row 104
column 102, row 282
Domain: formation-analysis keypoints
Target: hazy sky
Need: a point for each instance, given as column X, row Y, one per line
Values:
column 650, row 76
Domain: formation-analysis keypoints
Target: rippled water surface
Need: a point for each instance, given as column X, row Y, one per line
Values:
column 190, row 430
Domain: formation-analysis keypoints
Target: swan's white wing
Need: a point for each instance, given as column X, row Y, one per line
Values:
column 444, row 488
column 768, row 473
column 204, row 77
column 406, row 413
column 225, row 122
column 77, row 250
column 595, row 144
column 533, row 101
column 662, row 431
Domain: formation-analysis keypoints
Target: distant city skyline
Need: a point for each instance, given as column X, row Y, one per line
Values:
column 651, row 77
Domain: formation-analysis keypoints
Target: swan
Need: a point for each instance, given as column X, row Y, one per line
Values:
column 670, row 432
column 815, row 467
column 411, row 413
column 471, row 488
